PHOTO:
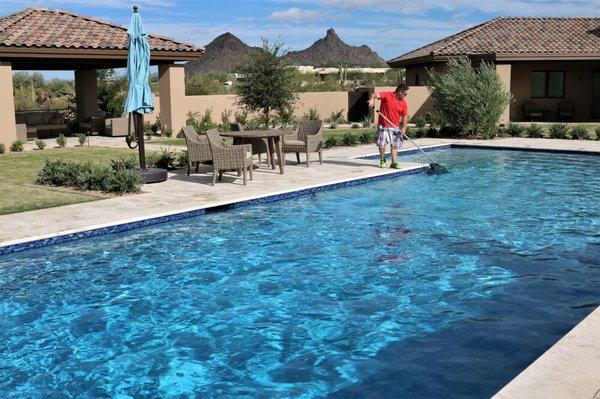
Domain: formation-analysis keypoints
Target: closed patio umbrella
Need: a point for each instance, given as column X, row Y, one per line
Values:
column 139, row 96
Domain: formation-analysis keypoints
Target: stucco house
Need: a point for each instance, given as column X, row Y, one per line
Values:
column 43, row 39
column 550, row 65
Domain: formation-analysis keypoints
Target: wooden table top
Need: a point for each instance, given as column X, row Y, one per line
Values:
column 257, row 133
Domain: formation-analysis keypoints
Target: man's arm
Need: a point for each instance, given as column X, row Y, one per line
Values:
column 404, row 124
column 374, row 96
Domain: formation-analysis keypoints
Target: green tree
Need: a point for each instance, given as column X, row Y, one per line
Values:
column 466, row 99
column 266, row 82
column 112, row 92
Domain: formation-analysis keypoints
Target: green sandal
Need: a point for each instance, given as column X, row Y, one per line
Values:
column 395, row 165
column 382, row 163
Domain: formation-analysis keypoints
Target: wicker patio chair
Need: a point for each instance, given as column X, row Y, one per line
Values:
column 228, row 156
column 532, row 112
column 198, row 148
column 114, row 127
column 259, row 146
column 308, row 139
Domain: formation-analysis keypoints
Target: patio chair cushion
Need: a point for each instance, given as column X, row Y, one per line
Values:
column 294, row 142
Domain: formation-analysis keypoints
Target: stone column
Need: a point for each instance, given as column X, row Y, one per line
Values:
column 8, row 127
column 86, row 94
column 503, row 71
column 171, row 86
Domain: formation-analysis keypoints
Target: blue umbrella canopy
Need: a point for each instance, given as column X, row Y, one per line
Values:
column 139, row 95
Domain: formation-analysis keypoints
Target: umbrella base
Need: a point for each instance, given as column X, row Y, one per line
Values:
column 150, row 175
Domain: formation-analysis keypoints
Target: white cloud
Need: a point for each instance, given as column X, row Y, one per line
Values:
column 295, row 14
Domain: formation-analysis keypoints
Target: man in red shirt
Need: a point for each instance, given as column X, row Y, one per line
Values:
column 391, row 132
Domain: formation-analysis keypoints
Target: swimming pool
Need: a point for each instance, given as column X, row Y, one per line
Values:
column 430, row 286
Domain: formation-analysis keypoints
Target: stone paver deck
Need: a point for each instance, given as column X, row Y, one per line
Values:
column 570, row 369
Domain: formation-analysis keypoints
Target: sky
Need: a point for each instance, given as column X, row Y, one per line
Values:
column 390, row 27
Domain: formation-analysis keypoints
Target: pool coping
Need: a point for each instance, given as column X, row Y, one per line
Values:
column 33, row 242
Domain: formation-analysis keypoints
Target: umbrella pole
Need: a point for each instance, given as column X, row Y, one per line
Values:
column 138, row 124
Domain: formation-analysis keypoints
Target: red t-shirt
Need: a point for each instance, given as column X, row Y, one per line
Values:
column 391, row 107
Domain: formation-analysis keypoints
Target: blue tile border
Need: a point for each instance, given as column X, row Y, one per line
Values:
column 509, row 148
column 120, row 228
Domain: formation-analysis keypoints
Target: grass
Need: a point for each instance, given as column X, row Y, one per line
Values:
column 18, row 172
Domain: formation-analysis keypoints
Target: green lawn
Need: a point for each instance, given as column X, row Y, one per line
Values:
column 18, row 172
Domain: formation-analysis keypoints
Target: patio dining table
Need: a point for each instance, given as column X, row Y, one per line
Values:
column 274, row 141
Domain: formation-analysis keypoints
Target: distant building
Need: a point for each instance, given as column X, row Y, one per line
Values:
column 550, row 65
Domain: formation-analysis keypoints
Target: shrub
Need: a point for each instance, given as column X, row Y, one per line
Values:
column 419, row 121
column 61, row 141
column 447, row 131
column 40, row 144
column 330, row 142
column 349, row 139
column 366, row 138
column 149, row 134
column 597, row 131
column 240, row 117
column 17, row 146
column 88, row 176
column 124, row 163
column 285, row 119
column 501, row 131
column 201, row 123
column 558, row 131
column 225, row 124
column 336, row 116
column 312, row 115
column 366, row 121
column 419, row 132
column 182, row 159
column 333, row 124
column 163, row 159
column 354, row 126
column 467, row 99
column 534, row 131
column 432, row 132
column 255, row 123
column 579, row 133
column 82, row 137
column 167, row 132
column 2, row 148
column 514, row 130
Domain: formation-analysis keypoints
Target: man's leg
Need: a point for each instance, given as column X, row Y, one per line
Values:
column 394, row 152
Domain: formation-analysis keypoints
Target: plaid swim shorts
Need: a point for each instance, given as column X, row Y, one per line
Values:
column 389, row 136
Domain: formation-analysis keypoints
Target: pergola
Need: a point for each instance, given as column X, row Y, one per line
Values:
column 42, row 39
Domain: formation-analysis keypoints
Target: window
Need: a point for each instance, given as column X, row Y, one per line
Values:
column 547, row 84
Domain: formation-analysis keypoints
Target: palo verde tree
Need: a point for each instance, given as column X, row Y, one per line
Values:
column 467, row 99
column 266, row 83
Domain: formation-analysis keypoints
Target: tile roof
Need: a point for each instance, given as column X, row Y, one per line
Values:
column 510, row 35
column 39, row 27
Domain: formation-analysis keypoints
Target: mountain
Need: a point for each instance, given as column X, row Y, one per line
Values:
column 221, row 55
column 331, row 50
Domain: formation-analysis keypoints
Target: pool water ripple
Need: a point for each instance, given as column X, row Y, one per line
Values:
column 434, row 286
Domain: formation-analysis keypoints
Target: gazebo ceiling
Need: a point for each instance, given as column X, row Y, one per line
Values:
column 42, row 39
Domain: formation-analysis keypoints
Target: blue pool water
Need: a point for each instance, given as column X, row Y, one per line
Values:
column 421, row 286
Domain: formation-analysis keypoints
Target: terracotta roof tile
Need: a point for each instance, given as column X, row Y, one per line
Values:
column 531, row 36
column 37, row 27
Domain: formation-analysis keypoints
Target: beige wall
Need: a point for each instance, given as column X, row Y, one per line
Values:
column 8, row 129
column 171, row 85
column 324, row 102
column 578, row 87
column 504, row 72
column 417, row 100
